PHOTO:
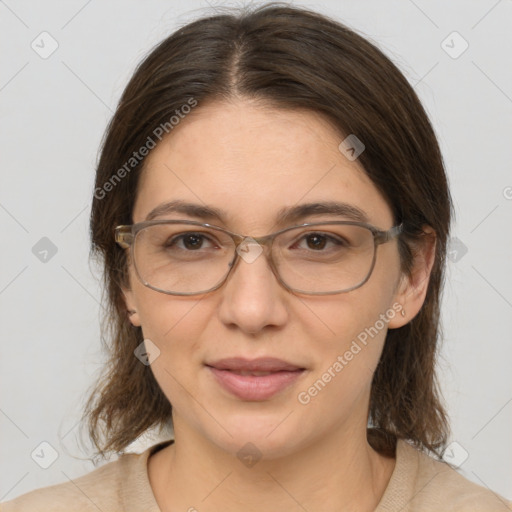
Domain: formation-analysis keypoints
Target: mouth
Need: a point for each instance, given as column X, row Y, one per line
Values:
column 245, row 373
column 257, row 379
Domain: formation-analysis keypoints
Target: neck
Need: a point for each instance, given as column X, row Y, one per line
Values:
column 338, row 472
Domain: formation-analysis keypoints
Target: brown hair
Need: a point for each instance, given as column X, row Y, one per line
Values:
column 293, row 58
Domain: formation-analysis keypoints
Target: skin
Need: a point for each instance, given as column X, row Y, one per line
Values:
column 250, row 160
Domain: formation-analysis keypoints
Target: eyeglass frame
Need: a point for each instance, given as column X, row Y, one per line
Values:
column 125, row 235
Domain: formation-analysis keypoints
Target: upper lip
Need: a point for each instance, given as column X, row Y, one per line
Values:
column 261, row 364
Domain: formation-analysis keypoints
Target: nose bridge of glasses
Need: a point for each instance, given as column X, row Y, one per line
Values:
column 263, row 241
column 249, row 249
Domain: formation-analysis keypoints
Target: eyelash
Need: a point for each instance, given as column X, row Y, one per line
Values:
column 302, row 237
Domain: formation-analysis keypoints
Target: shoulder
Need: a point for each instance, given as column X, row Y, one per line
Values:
column 106, row 488
column 427, row 484
column 95, row 490
column 451, row 490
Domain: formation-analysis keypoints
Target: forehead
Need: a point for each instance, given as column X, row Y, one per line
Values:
column 250, row 161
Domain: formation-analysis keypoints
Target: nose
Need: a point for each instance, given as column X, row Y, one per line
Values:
column 252, row 297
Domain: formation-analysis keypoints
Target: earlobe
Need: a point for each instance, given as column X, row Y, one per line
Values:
column 412, row 289
column 131, row 310
column 402, row 315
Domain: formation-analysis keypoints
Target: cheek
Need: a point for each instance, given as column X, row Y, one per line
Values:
column 347, row 357
column 164, row 317
column 175, row 326
column 360, row 332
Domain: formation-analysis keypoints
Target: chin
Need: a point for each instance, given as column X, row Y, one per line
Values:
column 264, row 436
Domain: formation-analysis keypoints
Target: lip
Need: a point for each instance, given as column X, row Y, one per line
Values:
column 253, row 387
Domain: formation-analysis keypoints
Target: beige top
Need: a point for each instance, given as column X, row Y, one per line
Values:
column 418, row 483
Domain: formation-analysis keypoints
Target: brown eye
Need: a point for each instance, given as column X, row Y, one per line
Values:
column 316, row 241
column 190, row 242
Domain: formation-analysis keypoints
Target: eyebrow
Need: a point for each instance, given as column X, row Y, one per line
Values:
column 285, row 216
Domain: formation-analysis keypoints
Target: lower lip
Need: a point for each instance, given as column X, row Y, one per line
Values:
column 253, row 387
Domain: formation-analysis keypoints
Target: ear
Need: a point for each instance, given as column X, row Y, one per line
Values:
column 131, row 307
column 412, row 290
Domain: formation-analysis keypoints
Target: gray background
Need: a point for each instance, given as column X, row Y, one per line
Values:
column 53, row 113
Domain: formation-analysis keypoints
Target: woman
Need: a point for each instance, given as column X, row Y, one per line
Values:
column 272, row 212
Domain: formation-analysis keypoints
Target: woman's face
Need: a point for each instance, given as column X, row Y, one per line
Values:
column 250, row 162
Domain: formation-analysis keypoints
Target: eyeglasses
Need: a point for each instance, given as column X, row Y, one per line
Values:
column 185, row 257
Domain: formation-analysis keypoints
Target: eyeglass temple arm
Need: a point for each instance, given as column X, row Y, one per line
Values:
column 124, row 236
column 386, row 236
